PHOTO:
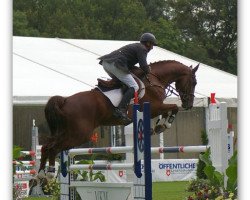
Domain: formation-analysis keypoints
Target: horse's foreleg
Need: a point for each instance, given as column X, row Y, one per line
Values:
column 170, row 115
column 168, row 112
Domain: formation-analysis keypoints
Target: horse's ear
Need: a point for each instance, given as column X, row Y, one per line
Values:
column 196, row 68
column 191, row 66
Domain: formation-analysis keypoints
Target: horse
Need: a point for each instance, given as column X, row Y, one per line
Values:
column 73, row 119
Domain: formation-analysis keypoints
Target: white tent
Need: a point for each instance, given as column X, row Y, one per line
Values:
column 44, row 67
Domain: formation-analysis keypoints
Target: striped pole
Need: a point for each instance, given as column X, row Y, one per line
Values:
column 108, row 150
column 28, row 153
column 179, row 149
column 118, row 166
column 129, row 149
column 30, row 163
column 33, row 172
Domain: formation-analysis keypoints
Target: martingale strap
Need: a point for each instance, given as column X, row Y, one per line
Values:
column 171, row 90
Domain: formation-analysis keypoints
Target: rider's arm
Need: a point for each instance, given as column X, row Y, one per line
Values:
column 142, row 60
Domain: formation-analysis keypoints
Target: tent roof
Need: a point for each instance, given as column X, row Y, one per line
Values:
column 44, row 67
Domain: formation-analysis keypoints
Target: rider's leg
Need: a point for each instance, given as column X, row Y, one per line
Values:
column 121, row 110
column 125, row 77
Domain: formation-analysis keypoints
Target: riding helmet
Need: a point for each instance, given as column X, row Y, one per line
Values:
column 148, row 37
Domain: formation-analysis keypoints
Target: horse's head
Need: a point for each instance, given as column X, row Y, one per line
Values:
column 185, row 86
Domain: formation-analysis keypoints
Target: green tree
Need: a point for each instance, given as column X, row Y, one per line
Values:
column 209, row 27
column 120, row 19
column 205, row 30
column 169, row 37
column 20, row 25
column 155, row 9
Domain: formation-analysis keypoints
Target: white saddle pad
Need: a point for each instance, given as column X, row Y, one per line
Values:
column 115, row 96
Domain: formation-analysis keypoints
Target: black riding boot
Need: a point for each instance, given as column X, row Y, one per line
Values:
column 121, row 110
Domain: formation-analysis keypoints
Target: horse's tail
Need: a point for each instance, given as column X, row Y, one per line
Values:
column 54, row 114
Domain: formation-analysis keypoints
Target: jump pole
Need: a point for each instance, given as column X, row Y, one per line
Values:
column 130, row 149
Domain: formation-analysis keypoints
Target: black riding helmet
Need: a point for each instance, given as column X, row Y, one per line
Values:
column 148, row 37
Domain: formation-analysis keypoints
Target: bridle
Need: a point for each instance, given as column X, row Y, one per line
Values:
column 185, row 95
column 170, row 89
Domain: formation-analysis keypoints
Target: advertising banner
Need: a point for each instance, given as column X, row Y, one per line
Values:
column 162, row 170
column 174, row 169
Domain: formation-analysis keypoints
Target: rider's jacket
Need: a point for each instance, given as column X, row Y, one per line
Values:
column 127, row 56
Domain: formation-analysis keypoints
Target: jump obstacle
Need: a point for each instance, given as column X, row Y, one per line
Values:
column 104, row 190
column 217, row 134
column 25, row 170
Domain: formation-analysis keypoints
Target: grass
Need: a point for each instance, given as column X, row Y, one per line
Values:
column 38, row 198
column 161, row 191
column 170, row 190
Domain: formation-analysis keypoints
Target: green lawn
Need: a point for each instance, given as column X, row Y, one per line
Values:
column 161, row 191
column 39, row 198
column 170, row 190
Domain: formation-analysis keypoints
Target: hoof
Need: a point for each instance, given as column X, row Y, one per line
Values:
column 50, row 175
column 33, row 182
column 168, row 125
column 152, row 132
column 36, row 186
column 126, row 121
column 159, row 129
column 41, row 174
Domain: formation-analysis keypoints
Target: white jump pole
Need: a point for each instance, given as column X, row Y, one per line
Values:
column 161, row 140
column 129, row 149
column 117, row 166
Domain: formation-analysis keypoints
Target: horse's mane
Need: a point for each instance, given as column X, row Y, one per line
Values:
column 170, row 66
column 165, row 62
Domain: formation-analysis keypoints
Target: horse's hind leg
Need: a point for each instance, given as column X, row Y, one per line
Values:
column 52, row 159
column 59, row 145
column 44, row 157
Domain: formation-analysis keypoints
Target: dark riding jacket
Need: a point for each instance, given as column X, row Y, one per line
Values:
column 127, row 56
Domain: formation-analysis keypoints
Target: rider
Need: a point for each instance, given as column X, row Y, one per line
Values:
column 118, row 63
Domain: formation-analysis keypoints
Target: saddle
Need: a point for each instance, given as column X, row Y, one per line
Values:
column 106, row 85
column 111, row 84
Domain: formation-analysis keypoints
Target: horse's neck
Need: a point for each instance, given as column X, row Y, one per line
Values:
column 169, row 75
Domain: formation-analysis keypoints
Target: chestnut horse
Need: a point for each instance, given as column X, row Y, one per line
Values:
column 73, row 119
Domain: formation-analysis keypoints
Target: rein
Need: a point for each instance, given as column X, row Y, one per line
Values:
column 170, row 89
